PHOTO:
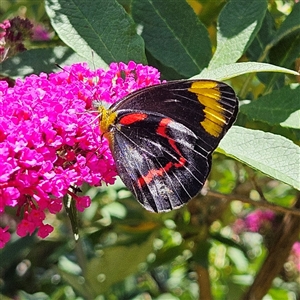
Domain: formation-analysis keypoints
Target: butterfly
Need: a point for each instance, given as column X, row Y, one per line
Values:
column 162, row 138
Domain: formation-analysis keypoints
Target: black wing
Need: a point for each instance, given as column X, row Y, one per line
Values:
column 163, row 137
column 162, row 171
column 206, row 107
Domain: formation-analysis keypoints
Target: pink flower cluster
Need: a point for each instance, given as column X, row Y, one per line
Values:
column 256, row 221
column 3, row 32
column 295, row 255
column 40, row 33
column 263, row 221
column 50, row 142
column 259, row 220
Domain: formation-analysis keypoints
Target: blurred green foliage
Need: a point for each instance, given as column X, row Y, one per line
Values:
column 125, row 252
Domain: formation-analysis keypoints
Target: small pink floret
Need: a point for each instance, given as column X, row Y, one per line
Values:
column 4, row 236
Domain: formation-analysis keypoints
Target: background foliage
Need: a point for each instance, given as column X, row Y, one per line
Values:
column 127, row 253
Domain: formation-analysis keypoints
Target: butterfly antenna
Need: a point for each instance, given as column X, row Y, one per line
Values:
column 60, row 67
column 93, row 59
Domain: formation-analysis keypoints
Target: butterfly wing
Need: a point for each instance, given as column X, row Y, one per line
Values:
column 160, row 161
column 162, row 138
column 207, row 107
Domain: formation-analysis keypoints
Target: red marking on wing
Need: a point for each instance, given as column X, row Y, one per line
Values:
column 161, row 130
column 160, row 172
column 132, row 118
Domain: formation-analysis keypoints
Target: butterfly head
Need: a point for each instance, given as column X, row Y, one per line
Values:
column 107, row 119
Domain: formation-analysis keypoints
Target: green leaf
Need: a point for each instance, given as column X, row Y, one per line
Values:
column 290, row 25
column 238, row 258
column 281, row 47
column 283, row 54
column 71, row 273
column 167, row 255
column 286, row 51
column 278, row 293
column 22, row 295
column 273, row 110
column 268, row 37
column 201, row 252
column 166, row 296
column 36, row 61
column 263, row 37
column 173, row 34
column 229, row 242
column 16, row 249
column 238, row 24
column 102, row 27
column 116, row 264
column 274, row 155
column 236, row 69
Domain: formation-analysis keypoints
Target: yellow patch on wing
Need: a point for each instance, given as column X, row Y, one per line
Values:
column 209, row 96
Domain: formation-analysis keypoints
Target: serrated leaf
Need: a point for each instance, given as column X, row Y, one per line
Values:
column 274, row 155
column 101, row 27
column 238, row 24
column 279, row 107
column 35, row 61
column 236, row 69
column 173, row 34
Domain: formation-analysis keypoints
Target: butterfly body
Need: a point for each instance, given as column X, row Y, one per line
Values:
column 162, row 138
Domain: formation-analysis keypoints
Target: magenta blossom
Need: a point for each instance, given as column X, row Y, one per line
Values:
column 295, row 255
column 50, row 141
column 40, row 33
column 263, row 221
column 256, row 221
column 3, row 32
column 259, row 220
